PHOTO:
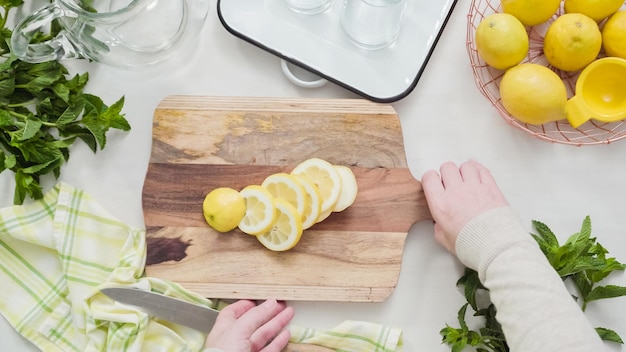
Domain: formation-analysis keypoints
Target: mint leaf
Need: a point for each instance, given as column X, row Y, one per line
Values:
column 471, row 284
column 611, row 264
column 609, row 335
column 31, row 128
column 546, row 234
column 70, row 114
column 608, row 291
column 581, row 263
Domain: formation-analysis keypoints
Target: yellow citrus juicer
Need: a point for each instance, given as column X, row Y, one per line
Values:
column 600, row 93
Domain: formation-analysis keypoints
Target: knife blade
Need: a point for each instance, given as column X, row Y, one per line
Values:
column 181, row 312
column 168, row 308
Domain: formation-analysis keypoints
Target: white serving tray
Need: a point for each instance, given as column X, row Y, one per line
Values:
column 317, row 43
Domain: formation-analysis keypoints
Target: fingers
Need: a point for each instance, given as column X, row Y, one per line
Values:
column 230, row 314
column 274, row 332
column 450, row 174
column 237, row 309
column 470, row 172
column 278, row 343
column 244, row 326
column 265, row 321
column 484, row 173
column 431, row 183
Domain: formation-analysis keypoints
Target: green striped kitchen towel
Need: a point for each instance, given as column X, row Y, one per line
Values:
column 352, row 336
column 57, row 253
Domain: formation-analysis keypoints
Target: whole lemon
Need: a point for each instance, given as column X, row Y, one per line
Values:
column 531, row 12
column 572, row 42
column 533, row 94
column 501, row 40
column 614, row 35
column 595, row 9
column 223, row 208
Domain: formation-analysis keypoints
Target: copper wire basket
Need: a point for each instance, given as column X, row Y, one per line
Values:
column 488, row 82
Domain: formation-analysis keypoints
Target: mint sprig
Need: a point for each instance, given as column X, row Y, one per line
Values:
column 581, row 259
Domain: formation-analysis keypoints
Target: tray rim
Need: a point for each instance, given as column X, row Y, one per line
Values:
column 359, row 91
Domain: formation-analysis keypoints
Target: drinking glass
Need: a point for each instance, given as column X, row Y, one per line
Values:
column 308, row 7
column 372, row 24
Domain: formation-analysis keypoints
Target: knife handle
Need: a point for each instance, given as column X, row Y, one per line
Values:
column 305, row 347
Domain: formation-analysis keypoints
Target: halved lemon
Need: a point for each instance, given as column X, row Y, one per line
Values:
column 286, row 231
column 324, row 175
column 349, row 188
column 261, row 213
column 287, row 187
column 313, row 202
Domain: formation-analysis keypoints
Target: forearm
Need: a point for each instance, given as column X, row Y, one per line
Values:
column 536, row 311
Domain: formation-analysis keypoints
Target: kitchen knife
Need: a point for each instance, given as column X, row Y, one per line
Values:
column 171, row 309
column 180, row 312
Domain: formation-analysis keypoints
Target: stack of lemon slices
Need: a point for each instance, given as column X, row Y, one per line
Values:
column 285, row 204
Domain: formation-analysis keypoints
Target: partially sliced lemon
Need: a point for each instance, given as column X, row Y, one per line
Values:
column 287, row 187
column 313, row 203
column 261, row 213
column 324, row 175
column 287, row 229
column 349, row 188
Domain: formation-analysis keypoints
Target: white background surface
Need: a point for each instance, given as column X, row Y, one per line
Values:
column 444, row 118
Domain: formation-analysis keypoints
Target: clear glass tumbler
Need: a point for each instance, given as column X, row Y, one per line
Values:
column 372, row 24
column 308, row 7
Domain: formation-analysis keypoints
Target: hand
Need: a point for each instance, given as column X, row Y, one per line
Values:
column 243, row 326
column 457, row 196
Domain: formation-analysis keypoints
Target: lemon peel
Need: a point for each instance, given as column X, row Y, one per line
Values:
column 286, row 231
column 223, row 208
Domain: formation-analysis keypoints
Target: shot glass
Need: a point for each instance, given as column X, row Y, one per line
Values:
column 372, row 24
column 308, row 7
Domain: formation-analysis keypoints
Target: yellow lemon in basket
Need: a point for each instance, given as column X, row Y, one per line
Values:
column 261, row 213
column 533, row 94
column 614, row 35
column 286, row 231
column 595, row 9
column 572, row 42
column 223, row 208
column 531, row 12
column 501, row 40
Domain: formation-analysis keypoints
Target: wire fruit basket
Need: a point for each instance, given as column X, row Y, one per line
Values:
column 488, row 82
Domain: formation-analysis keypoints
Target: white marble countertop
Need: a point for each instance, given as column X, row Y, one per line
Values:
column 444, row 118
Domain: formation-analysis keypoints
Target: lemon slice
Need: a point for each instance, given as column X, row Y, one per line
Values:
column 323, row 215
column 287, row 187
column 313, row 202
column 287, row 229
column 324, row 175
column 349, row 188
column 261, row 213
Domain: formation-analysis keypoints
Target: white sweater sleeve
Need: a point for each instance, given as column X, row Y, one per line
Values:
column 535, row 309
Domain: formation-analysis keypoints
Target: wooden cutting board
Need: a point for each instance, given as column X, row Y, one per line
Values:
column 200, row 143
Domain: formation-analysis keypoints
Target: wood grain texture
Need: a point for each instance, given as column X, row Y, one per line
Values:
column 200, row 143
